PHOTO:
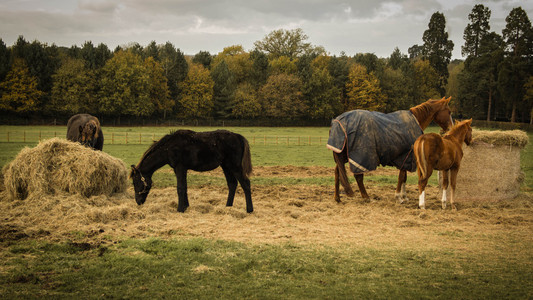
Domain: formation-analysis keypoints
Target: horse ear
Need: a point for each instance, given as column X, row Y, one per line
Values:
column 469, row 122
column 133, row 170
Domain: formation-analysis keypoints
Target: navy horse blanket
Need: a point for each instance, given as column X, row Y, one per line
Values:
column 374, row 138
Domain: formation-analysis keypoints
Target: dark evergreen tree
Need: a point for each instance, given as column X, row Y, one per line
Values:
column 259, row 73
column 517, row 67
column 415, row 51
column 223, row 90
column 476, row 30
column 152, row 51
column 203, row 58
column 5, row 58
column 175, row 67
column 438, row 48
column 397, row 60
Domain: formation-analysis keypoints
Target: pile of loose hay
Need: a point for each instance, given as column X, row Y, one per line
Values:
column 512, row 138
column 490, row 169
column 57, row 165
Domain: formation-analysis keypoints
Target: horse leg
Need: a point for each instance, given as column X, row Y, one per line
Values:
column 445, row 183
column 183, row 201
column 232, row 185
column 422, row 182
column 400, row 194
column 245, row 184
column 359, row 178
column 341, row 176
column 453, row 182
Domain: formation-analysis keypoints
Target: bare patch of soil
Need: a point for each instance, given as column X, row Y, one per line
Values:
column 299, row 171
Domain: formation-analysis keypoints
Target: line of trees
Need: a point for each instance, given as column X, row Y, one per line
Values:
column 284, row 77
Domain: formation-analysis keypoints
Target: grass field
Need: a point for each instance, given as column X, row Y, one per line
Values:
column 298, row 244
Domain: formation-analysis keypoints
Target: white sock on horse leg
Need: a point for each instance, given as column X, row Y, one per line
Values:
column 443, row 199
column 422, row 200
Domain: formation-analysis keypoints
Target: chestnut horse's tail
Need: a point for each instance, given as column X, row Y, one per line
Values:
column 246, row 158
column 420, row 156
column 343, row 177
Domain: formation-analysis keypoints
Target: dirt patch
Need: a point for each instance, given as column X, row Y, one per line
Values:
column 297, row 171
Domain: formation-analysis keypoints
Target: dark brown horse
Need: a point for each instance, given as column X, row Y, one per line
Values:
column 86, row 130
column 392, row 146
column 434, row 152
column 199, row 151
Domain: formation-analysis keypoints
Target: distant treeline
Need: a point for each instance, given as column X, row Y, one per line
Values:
column 283, row 79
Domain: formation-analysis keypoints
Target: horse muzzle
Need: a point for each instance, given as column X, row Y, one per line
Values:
column 140, row 198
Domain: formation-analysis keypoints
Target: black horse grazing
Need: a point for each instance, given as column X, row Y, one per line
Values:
column 199, row 151
column 86, row 130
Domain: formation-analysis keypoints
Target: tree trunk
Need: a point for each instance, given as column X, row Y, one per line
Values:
column 490, row 104
column 513, row 113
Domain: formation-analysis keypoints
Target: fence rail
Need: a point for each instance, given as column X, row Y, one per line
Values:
column 127, row 138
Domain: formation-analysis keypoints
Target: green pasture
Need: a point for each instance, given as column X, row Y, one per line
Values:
column 205, row 269
column 270, row 146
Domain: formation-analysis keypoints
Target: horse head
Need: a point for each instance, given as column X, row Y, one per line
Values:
column 88, row 133
column 141, row 185
column 434, row 110
column 468, row 128
column 443, row 114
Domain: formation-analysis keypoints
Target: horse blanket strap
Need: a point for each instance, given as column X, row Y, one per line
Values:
column 373, row 138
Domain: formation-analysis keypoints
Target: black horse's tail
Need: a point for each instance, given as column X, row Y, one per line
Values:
column 246, row 158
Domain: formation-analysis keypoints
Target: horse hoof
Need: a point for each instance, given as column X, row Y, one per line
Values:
column 401, row 199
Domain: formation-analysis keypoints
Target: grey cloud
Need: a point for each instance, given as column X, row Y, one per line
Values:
column 101, row 6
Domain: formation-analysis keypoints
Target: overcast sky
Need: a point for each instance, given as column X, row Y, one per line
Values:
column 356, row 26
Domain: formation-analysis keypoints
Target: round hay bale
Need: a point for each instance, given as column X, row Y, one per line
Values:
column 58, row 165
column 490, row 169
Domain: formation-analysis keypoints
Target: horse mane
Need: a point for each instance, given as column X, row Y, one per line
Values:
column 155, row 146
column 163, row 141
column 456, row 127
column 423, row 110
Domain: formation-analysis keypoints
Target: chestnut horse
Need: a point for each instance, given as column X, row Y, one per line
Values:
column 433, row 152
column 431, row 110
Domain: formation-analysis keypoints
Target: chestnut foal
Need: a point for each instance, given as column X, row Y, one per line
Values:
column 434, row 152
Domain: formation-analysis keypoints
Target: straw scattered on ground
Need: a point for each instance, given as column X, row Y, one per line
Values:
column 283, row 213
